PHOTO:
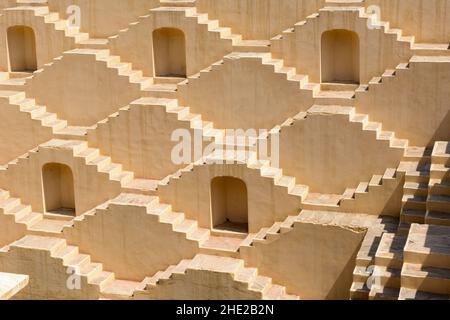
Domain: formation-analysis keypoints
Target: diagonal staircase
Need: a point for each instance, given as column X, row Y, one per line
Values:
column 388, row 263
column 438, row 201
column 23, row 220
column 369, row 18
column 58, row 127
column 92, row 274
column 97, row 283
column 78, row 38
column 246, row 278
column 206, row 240
column 425, row 273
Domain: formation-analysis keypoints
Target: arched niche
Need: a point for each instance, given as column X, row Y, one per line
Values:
column 229, row 204
column 169, row 52
column 58, row 185
column 21, row 49
column 340, row 57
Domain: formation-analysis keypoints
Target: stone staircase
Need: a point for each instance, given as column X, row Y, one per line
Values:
column 366, row 256
column 91, row 157
column 343, row 3
column 426, row 269
column 91, row 273
column 374, row 127
column 407, row 267
column 350, row 196
column 178, row 3
column 330, row 6
column 257, row 46
column 348, row 202
column 149, row 89
column 416, row 166
column 225, row 33
column 364, row 188
column 59, row 128
column 172, row 107
column 317, row 92
column 438, row 201
column 207, row 129
column 423, row 272
column 246, row 278
column 370, row 19
column 14, row 81
column 31, row 222
column 208, row 242
column 152, row 87
column 103, row 284
column 11, row 284
column 123, row 69
column 278, row 229
column 80, row 149
column 387, row 269
column 273, row 233
column 251, row 160
column 42, row 10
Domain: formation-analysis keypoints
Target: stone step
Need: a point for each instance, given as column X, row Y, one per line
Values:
column 417, row 203
column 412, row 216
column 440, row 171
column 11, row 284
column 415, row 189
column 439, row 188
column 427, row 279
column 386, row 277
column 390, row 251
column 428, row 245
column 441, row 153
column 49, row 227
column 412, row 294
column 217, row 264
column 361, row 274
column 359, row 291
column 438, row 203
column 383, row 293
column 119, row 289
column 438, row 218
